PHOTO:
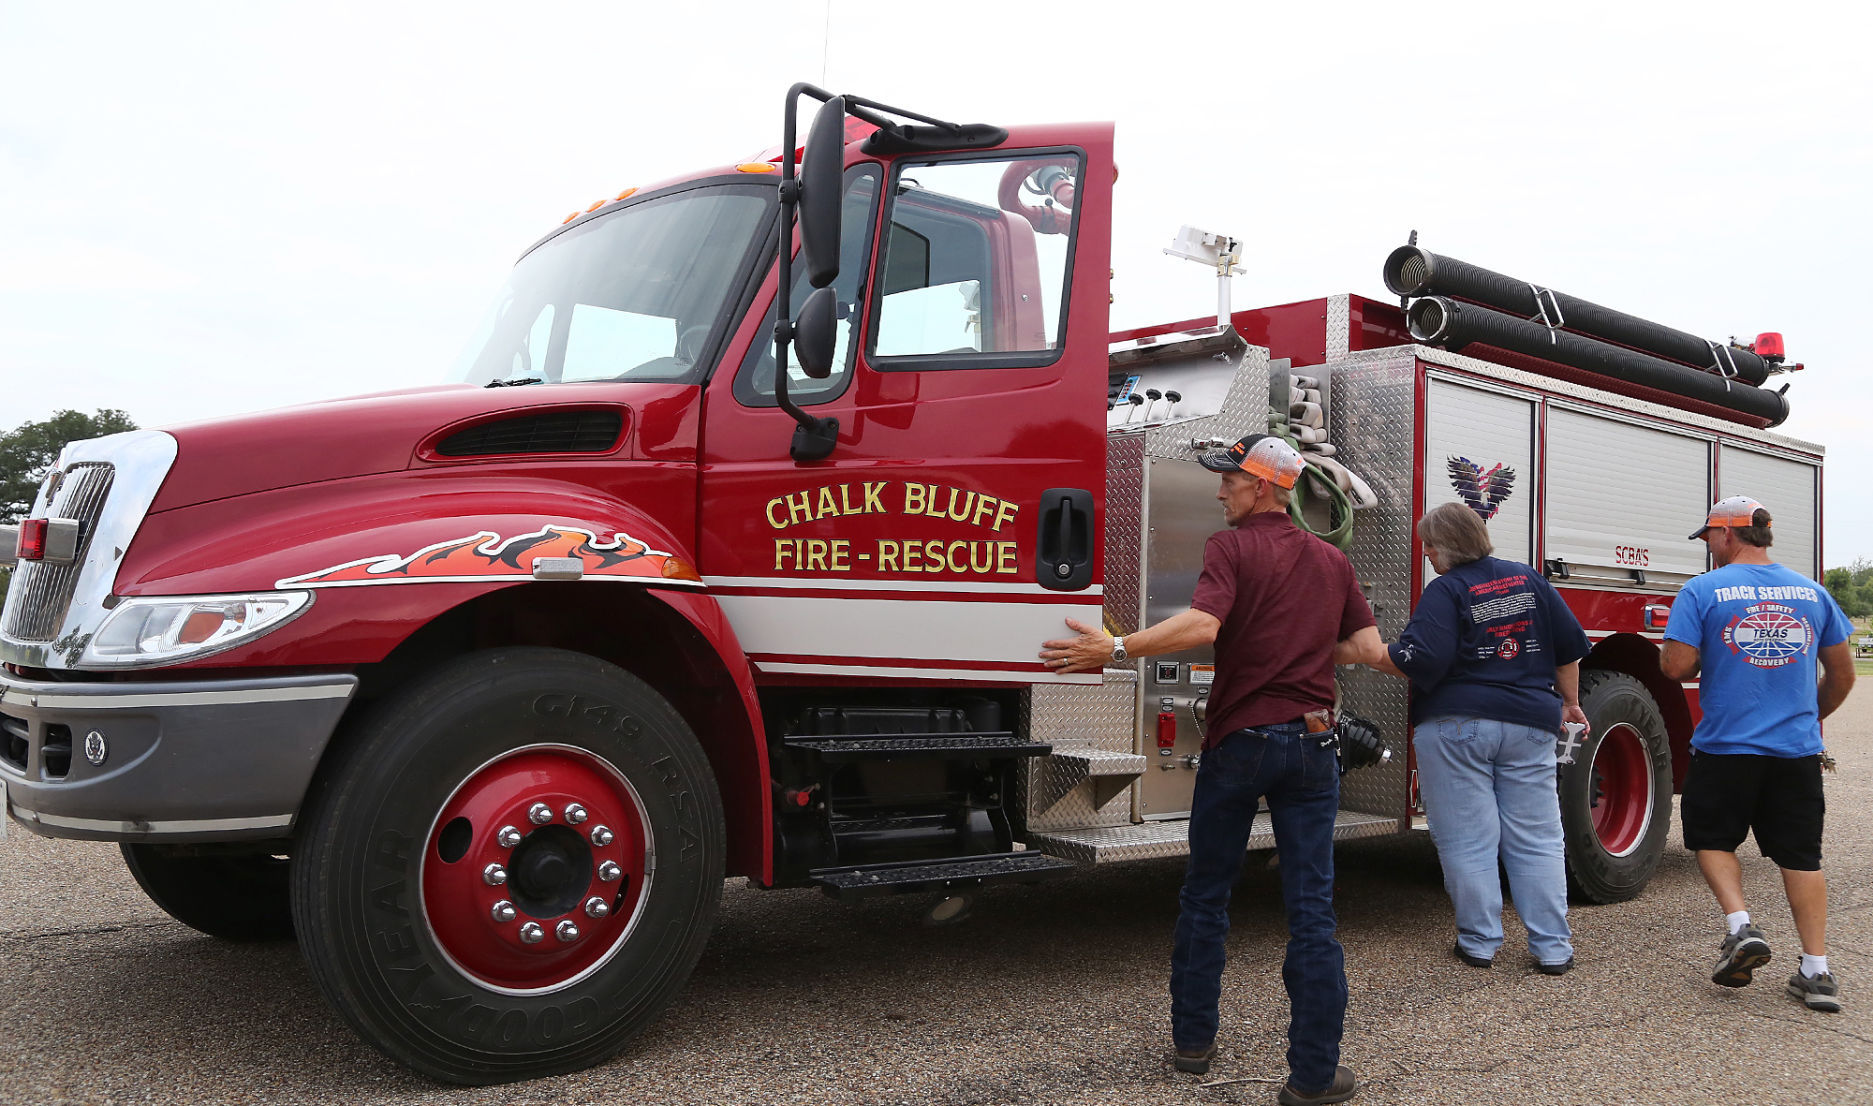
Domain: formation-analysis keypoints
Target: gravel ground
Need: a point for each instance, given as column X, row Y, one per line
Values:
column 1046, row 995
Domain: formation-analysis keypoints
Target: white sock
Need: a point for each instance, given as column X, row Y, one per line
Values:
column 1736, row 921
column 1812, row 966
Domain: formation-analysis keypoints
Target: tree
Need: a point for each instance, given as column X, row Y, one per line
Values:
column 27, row 452
column 1852, row 587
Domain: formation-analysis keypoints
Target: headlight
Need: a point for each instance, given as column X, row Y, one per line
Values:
column 165, row 629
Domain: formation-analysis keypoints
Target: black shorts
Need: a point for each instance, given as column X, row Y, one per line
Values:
column 1728, row 795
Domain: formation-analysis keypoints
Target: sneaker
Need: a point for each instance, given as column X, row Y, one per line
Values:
column 1195, row 1061
column 1469, row 958
column 1562, row 968
column 1339, row 1090
column 1739, row 956
column 1818, row 992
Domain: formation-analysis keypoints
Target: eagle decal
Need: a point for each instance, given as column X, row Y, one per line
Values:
column 1482, row 491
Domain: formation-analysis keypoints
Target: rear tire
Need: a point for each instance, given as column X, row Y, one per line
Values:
column 1616, row 796
column 424, row 952
column 234, row 896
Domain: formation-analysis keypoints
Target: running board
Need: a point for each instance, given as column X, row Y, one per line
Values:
column 944, row 875
column 1156, row 840
column 944, row 746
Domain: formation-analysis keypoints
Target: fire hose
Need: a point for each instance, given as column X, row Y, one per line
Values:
column 1303, row 426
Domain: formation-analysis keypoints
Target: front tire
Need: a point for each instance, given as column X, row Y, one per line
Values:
column 233, row 896
column 511, row 868
column 1616, row 796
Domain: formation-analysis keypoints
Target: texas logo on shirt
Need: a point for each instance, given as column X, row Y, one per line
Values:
column 1769, row 635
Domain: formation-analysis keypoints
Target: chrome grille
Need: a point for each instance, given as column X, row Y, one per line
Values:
column 40, row 592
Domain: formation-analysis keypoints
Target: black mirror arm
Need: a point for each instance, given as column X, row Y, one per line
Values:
column 813, row 438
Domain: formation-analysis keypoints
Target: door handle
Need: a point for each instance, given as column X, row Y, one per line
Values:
column 1063, row 559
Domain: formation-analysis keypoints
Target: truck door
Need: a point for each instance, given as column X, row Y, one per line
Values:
column 953, row 526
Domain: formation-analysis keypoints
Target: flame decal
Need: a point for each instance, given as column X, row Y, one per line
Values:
column 488, row 556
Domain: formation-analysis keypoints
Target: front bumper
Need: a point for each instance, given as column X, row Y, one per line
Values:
column 198, row 760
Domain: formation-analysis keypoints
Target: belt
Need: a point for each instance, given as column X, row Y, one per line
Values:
column 1315, row 724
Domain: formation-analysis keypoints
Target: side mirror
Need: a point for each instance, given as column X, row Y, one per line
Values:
column 816, row 333
column 822, row 168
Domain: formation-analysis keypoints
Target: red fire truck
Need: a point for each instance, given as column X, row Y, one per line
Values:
column 713, row 560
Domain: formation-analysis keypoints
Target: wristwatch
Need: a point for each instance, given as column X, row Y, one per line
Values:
column 1118, row 650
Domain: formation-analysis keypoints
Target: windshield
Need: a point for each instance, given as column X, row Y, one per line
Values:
column 632, row 295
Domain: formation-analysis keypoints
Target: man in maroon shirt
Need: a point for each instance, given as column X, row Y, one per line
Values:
column 1276, row 601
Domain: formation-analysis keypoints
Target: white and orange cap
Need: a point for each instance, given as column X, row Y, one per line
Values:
column 1738, row 510
column 1260, row 455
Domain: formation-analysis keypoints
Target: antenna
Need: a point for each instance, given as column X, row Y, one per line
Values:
column 825, row 41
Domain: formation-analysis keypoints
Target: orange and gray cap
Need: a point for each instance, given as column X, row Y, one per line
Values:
column 1260, row 455
column 1738, row 510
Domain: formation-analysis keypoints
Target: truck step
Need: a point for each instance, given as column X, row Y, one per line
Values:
column 1157, row 840
column 946, row 874
column 945, row 746
column 1108, row 773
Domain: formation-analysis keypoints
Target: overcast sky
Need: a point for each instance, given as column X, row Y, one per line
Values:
column 215, row 208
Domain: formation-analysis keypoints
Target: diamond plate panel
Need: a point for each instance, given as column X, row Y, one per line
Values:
column 1245, row 409
column 1125, row 531
column 1339, row 325
column 1372, row 424
column 1083, row 718
column 1157, row 840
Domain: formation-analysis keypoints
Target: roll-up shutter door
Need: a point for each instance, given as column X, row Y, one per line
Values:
column 1480, row 450
column 1622, row 497
column 1787, row 488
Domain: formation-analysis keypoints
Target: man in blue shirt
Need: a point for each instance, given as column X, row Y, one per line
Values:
column 1758, row 629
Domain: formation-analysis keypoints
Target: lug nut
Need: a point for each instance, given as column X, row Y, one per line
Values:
column 508, row 837
column 539, row 814
column 609, row 872
column 532, row 934
column 601, row 836
column 566, row 931
column 494, row 875
column 503, row 911
column 575, row 813
column 596, row 907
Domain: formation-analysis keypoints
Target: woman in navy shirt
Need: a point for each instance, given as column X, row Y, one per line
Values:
column 1493, row 656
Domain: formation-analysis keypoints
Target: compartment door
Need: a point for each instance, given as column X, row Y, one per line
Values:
column 1789, row 489
column 1621, row 497
column 1480, row 450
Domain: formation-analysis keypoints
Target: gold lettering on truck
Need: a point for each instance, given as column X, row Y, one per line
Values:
column 971, row 556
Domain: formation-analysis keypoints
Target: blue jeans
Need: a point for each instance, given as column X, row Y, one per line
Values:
column 1302, row 784
column 1489, row 791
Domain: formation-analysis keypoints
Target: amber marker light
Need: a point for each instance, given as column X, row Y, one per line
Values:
column 756, row 167
column 627, row 193
column 678, row 569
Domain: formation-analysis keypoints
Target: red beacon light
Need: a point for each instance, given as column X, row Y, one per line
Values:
column 1768, row 346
